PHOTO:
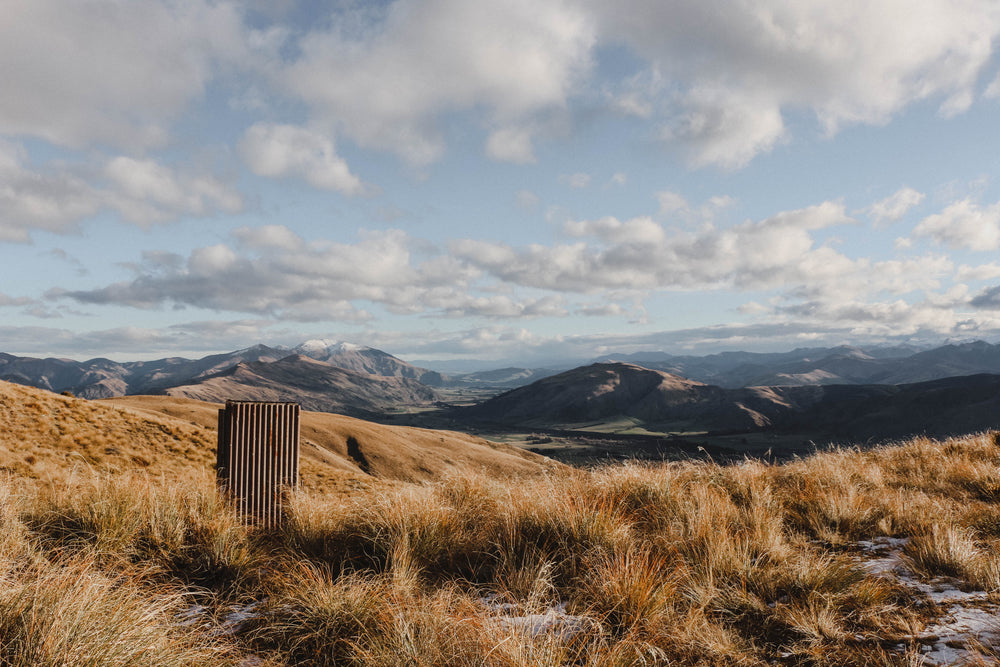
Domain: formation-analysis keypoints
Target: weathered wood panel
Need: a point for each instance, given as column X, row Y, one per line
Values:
column 257, row 459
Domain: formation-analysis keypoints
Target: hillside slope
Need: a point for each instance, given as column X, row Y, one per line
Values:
column 48, row 436
column 608, row 391
column 659, row 401
column 315, row 385
column 366, row 360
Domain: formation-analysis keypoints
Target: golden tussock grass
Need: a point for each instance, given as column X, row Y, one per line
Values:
column 683, row 563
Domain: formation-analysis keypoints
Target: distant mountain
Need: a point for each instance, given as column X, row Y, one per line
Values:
column 103, row 378
column 501, row 378
column 315, row 385
column 658, row 401
column 838, row 365
column 368, row 360
column 610, row 391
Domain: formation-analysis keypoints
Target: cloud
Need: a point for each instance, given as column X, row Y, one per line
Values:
column 963, row 224
column 640, row 254
column 726, row 128
column 281, row 151
column 577, row 181
column 728, row 74
column 110, row 73
column 895, row 206
column 273, row 272
column 673, row 204
column 190, row 339
column 988, row 299
column 14, row 301
column 140, row 191
column 511, row 144
column 619, row 178
column 52, row 201
column 384, row 78
column 527, row 200
column 144, row 191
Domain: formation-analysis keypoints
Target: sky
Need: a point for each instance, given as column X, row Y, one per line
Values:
column 531, row 179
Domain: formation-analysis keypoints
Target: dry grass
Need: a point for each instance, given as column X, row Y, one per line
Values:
column 684, row 563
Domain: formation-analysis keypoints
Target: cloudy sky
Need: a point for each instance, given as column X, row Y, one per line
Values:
column 455, row 178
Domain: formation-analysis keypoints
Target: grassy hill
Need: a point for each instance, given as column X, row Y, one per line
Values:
column 48, row 436
column 687, row 563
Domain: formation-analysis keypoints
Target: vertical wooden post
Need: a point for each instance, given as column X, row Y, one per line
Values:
column 257, row 459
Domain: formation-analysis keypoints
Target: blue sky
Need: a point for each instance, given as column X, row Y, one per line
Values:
column 500, row 181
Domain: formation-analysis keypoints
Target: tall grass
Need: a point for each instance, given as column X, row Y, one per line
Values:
column 682, row 563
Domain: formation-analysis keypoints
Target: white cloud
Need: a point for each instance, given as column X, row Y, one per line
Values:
column 144, row 191
column 640, row 254
column 109, row 72
column 577, row 181
column 274, row 272
column 612, row 230
column 527, row 200
column 734, row 70
column 280, row 151
column 963, row 224
column 619, row 178
column 31, row 200
column 511, row 144
column 140, row 191
column 966, row 273
column 671, row 202
column 895, row 206
column 726, row 127
column 385, row 84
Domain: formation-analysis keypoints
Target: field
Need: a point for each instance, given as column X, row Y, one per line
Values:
column 886, row 556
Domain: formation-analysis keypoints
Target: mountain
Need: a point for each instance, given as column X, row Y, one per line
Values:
column 315, row 385
column 838, row 365
column 612, row 391
column 637, row 397
column 367, row 360
column 103, row 378
column 501, row 378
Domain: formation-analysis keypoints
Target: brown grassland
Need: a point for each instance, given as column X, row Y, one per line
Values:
column 116, row 550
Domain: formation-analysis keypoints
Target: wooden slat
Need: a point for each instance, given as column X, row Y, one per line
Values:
column 257, row 457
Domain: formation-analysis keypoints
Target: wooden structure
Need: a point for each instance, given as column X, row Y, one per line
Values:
column 257, row 460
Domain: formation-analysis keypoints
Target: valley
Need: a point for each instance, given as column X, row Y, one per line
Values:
column 637, row 407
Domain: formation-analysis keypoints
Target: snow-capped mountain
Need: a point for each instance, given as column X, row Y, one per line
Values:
column 363, row 359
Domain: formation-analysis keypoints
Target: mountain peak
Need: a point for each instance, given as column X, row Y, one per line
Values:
column 320, row 345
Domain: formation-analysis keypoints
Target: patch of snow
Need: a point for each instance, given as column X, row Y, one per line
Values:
column 192, row 615
column 316, row 345
column 971, row 620
column 959, row 630
column 554, row 622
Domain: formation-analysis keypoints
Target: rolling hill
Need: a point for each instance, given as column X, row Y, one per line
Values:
column 657, row 401
column 48, row 436
column 610, row 391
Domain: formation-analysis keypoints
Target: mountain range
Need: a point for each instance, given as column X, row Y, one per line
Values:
column 639, row 398
column 881, row 392
column 315, row 385
column 839, row 365
column 103, row 378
